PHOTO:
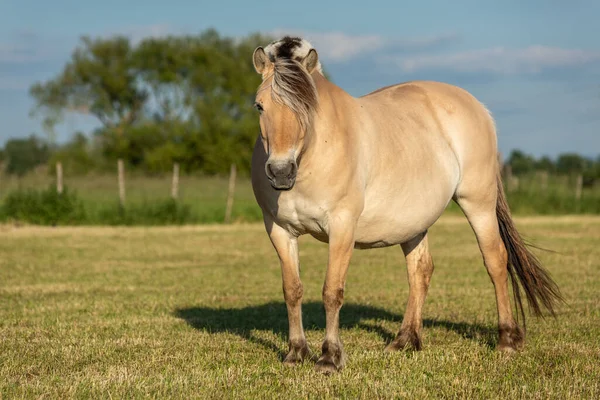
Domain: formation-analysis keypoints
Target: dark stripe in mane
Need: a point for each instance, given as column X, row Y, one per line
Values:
column 287, row 46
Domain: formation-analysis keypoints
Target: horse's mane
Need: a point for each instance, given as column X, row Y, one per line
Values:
column 292, row 85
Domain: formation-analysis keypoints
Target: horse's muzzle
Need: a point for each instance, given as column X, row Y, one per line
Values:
column 281, row 174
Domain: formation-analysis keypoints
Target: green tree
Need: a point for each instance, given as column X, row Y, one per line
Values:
column 23, row 155
column 545, row 164
column 521, row 163
column 571, row 163
column 99, row 80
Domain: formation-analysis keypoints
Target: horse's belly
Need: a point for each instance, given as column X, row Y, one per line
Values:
column 400, row 216
column 373, row 234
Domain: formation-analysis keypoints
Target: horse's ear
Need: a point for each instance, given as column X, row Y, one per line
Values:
column 311, row 61
column 260, row 60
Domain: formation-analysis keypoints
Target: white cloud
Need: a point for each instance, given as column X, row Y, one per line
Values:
column 499, row 60
column 340, row 47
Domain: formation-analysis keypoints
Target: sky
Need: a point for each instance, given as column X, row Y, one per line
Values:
column 535, row 64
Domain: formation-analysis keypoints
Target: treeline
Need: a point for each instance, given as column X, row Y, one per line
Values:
column 185, row 99
column 521, row 164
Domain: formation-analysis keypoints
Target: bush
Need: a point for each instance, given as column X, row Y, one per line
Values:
column 46, row 207
column 160, row 212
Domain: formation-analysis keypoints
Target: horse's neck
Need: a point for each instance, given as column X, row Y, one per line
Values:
column 333, row 103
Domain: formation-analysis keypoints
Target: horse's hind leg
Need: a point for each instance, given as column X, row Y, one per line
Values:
column 481, row 213
column 420, row 268
column 287, row 250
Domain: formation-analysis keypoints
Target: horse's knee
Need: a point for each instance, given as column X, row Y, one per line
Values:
column 333, row 298
column 293, row 293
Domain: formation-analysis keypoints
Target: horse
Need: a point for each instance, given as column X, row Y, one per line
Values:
column 375, row 171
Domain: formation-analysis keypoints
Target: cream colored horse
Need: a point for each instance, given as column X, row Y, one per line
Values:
column 378, row 171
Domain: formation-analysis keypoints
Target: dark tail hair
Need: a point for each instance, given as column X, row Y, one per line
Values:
column 524, row 269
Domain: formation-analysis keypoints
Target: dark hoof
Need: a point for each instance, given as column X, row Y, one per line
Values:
column 511, row 339
column 405, row 340
column 332, row 360
column 297, row 354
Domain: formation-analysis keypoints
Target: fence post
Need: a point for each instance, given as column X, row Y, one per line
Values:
column 121, row 169
column 229, row 207
column 509, row 177
column 578, row 191
column 544, row 179
column 59, row 178
column 175, row 182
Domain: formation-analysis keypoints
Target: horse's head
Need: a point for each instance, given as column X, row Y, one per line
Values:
column 286, row 100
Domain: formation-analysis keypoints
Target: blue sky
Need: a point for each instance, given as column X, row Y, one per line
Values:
column 535, row 63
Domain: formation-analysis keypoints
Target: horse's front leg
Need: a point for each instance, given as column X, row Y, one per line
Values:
column 341, row 244
column 286, row 246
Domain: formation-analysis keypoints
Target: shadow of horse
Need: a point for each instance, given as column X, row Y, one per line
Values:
column 272, row 317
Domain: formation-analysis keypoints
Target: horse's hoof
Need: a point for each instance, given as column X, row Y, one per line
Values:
column 297, row 355
column 511, row 339
column 405, row 341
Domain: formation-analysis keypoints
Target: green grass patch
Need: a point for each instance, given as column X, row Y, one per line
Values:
column 44, row 207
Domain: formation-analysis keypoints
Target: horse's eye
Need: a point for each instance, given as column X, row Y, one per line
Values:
column 259, row 107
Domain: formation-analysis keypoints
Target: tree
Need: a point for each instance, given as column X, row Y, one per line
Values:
column 521, row 163
column 571, row 163
column 99, row 80
column 23, row 155
column 545, row 164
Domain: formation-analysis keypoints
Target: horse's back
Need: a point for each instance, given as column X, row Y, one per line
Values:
column 457, row 113
column 451, row 112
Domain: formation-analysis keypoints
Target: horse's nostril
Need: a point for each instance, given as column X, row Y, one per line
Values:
column 287, row 169
column 270, row 171
column 281, row 169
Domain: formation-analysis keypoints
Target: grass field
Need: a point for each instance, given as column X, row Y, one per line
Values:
column 197, row 312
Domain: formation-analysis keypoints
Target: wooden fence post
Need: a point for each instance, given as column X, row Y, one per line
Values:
column 544, row 180
column 509, row 177
column 175, row 182
column 229, row 207
column 59, row 178
column 121, row 168
column 578, row 192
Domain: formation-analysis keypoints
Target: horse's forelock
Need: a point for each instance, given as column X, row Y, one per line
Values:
column 292, row 85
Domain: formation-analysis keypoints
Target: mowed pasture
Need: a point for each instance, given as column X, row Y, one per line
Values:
column 198, row 312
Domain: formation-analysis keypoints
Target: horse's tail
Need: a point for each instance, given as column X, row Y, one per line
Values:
column 524, row 268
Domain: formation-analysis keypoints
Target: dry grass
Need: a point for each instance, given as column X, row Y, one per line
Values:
column 197, row 312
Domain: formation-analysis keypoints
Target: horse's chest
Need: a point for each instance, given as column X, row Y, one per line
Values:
column 300, row 214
